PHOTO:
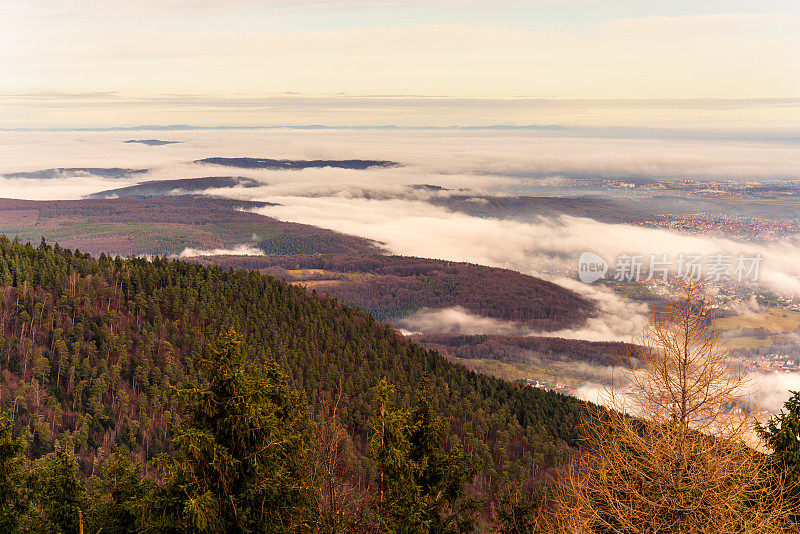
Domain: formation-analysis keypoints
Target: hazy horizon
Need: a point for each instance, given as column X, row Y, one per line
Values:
column 81, row 63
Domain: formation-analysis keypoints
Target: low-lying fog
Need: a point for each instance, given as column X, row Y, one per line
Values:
column 382, row 205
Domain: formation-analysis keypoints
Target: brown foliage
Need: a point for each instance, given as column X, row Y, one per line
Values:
column 672, row 454
column 342, row 494
column 525, row 348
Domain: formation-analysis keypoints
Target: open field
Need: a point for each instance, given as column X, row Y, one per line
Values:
column 774, row 320
column 760, row 330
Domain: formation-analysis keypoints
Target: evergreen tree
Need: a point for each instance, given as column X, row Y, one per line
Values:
column 240, row 451
column 92, row 353
column 59, row 496
column 117, row 494
column 421, row 484
column 782, row 435
column 519, row 511
column 390, row 447
column 11, row 477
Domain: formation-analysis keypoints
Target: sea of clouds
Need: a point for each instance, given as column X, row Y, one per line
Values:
column 381, row 203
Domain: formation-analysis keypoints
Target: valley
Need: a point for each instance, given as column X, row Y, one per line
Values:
column 399, row 267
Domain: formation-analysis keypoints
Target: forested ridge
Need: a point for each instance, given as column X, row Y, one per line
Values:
column 92, row 351
column 288, row 164
column 391, row 287
column 515, row 348
column 181, row 186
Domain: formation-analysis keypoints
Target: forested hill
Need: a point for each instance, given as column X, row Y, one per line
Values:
column 391, row 287
column 92, row 348
column 288, row 164
column 183, row 186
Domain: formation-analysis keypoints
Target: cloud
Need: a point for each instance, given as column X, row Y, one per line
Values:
column 532, row 154
column 457, row 320
column 155, row 9
column 593, row 392
column 452, row 158
column 747, row 307
column 767, row 391
column 381, row 205
column 231, row 51
column 547, row 247
column 617, row 319
column 58, row 95
column 771, row 390
column 238, row 250
column 58, row 188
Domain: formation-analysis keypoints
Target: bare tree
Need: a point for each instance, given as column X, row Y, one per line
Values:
column 672, row 453
column 342, row 495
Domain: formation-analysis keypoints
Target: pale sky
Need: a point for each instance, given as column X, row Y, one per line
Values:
column 678, row 64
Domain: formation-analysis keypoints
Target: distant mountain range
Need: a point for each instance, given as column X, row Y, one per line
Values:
column 152, row 142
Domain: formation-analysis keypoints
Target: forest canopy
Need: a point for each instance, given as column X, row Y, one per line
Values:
column 92, row 351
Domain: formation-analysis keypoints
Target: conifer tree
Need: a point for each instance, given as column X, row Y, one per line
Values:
column 782, row 435
column 59, row 496
column 421, row 484
column 117, row 494
column 11, row 478
column 240, row 451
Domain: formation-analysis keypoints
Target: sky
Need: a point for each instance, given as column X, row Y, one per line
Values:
column 719, row 65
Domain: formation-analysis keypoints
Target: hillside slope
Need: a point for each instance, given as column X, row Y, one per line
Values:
column 166, row 226
column 91, row 350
